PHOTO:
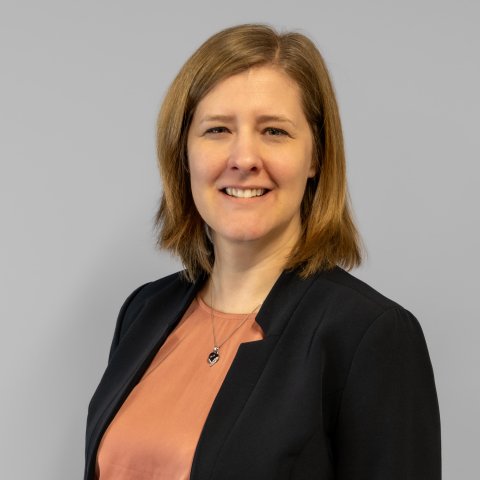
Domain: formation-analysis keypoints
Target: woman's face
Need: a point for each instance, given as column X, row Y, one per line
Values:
column 250, row 151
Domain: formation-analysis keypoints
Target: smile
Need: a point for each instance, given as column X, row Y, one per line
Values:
column 245, row 192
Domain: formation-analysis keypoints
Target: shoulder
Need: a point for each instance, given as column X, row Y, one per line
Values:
column 342, row 285
column 163, row 287
column 355, row 329
column 169, row 288
column 145, row 292
column 345, row 311
column 344, row 296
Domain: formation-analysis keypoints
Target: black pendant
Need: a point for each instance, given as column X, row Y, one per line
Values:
column 214, row 357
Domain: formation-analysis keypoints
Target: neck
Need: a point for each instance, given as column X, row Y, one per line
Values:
column 244, row 273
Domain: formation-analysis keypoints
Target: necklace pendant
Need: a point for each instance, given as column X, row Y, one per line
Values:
column 214, row 357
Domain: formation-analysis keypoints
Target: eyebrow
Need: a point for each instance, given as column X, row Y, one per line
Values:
column 274, row 118
column 260, row 119
column 217, row 118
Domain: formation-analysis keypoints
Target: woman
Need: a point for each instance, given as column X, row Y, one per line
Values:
column 264, row 359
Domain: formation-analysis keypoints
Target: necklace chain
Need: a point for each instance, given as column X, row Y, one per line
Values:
column 214, row 356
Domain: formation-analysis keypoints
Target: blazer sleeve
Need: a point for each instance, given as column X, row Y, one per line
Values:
column 388, row 424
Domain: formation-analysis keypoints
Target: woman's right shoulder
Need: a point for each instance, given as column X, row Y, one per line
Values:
column 155, row 287
column 144, row 293
column 173, row 285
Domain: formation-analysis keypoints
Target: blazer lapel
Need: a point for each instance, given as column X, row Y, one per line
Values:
column 245, row 371
column 156, row 320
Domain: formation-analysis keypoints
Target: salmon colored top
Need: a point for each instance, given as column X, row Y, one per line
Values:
column 155, row 433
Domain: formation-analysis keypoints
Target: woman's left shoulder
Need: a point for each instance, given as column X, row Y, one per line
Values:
column 346, row 291
column 344, row 303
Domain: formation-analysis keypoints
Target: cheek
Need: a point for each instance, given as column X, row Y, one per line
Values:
column 202, row 178
column 294, row 171
column 196, row 166
column 202, row 162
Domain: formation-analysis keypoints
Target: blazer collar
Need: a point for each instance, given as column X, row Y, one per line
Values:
column 154, row 323
column 282, row 299
column 246, row 369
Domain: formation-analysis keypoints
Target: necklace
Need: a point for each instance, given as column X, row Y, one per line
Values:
column 214, row 356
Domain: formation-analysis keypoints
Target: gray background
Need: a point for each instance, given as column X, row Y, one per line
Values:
column 81, row 84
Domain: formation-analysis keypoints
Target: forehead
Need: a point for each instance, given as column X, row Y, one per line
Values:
column 264, row 89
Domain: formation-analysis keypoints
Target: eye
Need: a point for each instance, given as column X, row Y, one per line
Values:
column 216, row 130
column 275, row 132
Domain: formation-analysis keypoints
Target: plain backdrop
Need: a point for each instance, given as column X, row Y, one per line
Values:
column 80, row 87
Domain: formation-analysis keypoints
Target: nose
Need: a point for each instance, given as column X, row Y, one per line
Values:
column 245, row 153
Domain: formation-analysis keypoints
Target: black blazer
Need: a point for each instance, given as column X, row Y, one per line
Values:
column 341, row 387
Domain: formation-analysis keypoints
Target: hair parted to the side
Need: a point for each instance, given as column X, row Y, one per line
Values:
column 329, row 236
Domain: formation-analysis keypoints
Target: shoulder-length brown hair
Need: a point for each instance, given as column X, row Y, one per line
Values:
column 329, row 236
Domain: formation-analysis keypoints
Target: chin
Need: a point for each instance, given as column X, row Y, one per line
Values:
column 247, row 235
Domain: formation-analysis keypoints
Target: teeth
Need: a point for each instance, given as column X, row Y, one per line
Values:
column 245, row 193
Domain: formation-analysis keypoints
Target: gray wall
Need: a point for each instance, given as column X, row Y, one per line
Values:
column 80, row 86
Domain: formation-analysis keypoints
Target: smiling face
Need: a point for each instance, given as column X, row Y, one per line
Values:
column 250, row 151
